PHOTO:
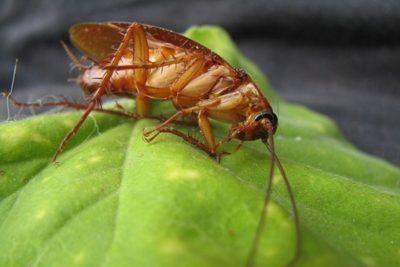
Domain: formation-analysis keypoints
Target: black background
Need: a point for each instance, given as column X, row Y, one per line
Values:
column 341, row 58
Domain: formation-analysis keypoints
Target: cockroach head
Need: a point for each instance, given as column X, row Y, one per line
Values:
column 259, row 125
column 268, row 119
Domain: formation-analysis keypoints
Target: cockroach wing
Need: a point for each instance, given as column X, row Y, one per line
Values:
column 99, row 40
column 96, row 40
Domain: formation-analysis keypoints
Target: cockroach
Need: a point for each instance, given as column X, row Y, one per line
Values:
column 146, row 62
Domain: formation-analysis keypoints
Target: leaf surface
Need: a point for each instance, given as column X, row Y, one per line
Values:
column 115, row 200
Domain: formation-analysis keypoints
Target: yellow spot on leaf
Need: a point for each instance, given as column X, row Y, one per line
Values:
column 271, row 252
column 273, row 209
column 79, row 257
column 182, row 174
column 173, row 247
column 41, row 214
column 297, row 138
column 45, row 179
column 277, row 178
column 95, row 158
column 78, row 166
column 176, row 172
column 69, row 123
column 13, row 135
column 35, row 137
column 368, row 261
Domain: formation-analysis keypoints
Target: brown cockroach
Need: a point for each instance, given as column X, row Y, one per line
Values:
column 147, row 62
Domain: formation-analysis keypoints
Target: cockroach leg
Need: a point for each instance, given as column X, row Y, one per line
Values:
column 140, row 55
column 206, row 130
column 66, row 104
column 229, row 138
column 205, row 127
column 135, row 32
column 182, row 135
column 142, row 105
column 171, row 119
column 72, row 132
column 194, row 70
column 78, row 106
column 191, row 140
column 119, row 106
column 219, row 156
column 156, row 92
column 192, row 122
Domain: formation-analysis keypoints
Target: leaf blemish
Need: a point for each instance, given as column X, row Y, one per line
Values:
column 182, row 174
column 41, row 214
column 173, row 246
column 78, row 166
column 13, row 136
column 69, row 123
column 368, row 261
column 96, row 158
column 177, row 172
column 79, row 257
column 39, row 138
column 271, row 252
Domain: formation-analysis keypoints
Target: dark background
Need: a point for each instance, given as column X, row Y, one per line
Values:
column 341, row 58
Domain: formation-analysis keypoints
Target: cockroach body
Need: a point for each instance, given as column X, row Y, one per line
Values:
column 147, row 62
column 168, row 66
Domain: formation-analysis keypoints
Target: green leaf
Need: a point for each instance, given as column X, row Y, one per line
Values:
column 115, row 200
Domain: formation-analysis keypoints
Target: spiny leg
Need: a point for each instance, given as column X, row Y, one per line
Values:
column 189, row 139
column 133, row 28
column 171, row 119
column 78, row 106
column 194, row 70
column 142, row 105
column 202, row 119
column 67, row 104
column 206, row 130
column 141, row 58
column 186, row 137
column 228, row 139
column 141, row 64
column 140, row 55
column 190, row 73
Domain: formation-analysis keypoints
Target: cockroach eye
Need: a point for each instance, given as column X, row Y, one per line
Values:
column 270, row 116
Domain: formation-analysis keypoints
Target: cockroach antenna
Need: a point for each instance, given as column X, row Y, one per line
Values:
column 274, row 160
column 267, row 195
column 294, row 208
column 8, row 94
column 75, row 61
